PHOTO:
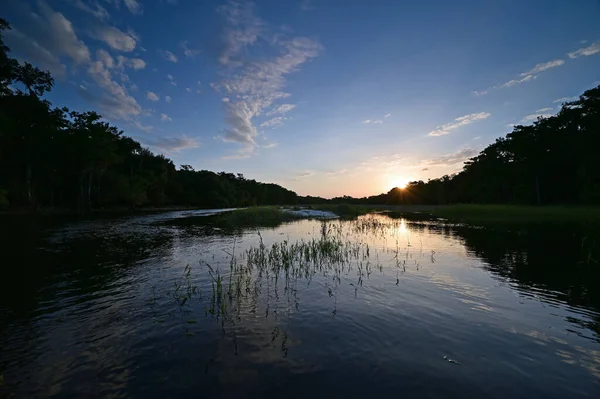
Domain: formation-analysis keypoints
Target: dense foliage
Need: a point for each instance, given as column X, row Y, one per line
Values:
column 56, row 157
column 53, row 157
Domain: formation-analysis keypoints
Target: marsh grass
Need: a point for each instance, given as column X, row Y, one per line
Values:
column 346, row 211
column 269, row 278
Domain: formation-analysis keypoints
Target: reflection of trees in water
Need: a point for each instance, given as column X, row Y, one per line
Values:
column 47, row 261
column 547, row 257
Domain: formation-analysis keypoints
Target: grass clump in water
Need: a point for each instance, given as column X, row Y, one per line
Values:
column 266, row 216
column 346, row 211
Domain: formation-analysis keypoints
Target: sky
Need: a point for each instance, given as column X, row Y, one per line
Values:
column 324, row 97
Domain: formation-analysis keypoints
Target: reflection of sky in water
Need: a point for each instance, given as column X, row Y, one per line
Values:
column 427, row 296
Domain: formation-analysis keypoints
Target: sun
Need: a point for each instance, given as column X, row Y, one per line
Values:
column 398, row 182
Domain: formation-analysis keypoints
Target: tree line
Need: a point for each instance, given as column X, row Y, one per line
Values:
column 55, row 157
column 554, row 161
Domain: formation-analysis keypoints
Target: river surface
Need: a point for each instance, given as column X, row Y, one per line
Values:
column 165, row 305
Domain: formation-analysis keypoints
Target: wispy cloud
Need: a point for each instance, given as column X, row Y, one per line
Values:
column 534, row 117
column 376, row 121
column 152, row 96
column 515, row 82
column 565, row 99
column 134, row 63
column 104, row 57
column 458, row 122
column 306, row 5
column 170, row 145
column 527, row 76
column 168, row 99
column 133, row 5
column 387, row 115
column 274, row 122
column 35, row 52
column 254, row 84
column 165, row 118
column 171, row 80
column 451, row 159
column 305, row 173
column 113, row 100
column 188, row 89
column 115, row 38
column 542, row 110
column 187, row 51
column 53, row 39
column 169, row 56
column 94, row 9
column 586, row 51
column 281, row 109
column 543, row 66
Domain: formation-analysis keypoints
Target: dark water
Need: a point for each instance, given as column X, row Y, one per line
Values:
column 399, row 308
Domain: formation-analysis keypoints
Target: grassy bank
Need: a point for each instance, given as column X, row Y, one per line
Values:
column 514, row 213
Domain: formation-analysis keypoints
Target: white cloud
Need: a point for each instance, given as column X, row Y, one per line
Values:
column 378, row 121
column 534, row 117
column 281, row 109
column 525, row 76
column 451, row 159
column 104, row 57
column 171, row 80
column 243, row 29
column 32, row 51
column 306, row 5
column 542, row 110
column 514, row 82
column 187, row 51
column 52, row 37
column 367, row 121
column 114, row 100
column 254, row 84
column 565, row 99
column 115, row 38
column 225, row 99
column 168, row 99
column 274, row 122
column 387, row 115
column 133, row 6
column 165, row 118
column 55, row 33
column 137, row 63
column 586, row 51
column 188, row 89
column 94, row 9
column 134, row 63
column 171, row 145
column 169, row 56
column 306, row 173
column 458, row 122
column 152, row 96
column 543, row 66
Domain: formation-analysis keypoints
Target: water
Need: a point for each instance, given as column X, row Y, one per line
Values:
column 415, row 308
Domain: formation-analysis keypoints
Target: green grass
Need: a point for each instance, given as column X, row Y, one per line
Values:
column 515, row 214
column 255, row 216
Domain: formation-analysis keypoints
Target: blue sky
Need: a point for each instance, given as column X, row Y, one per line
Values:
column 325, row 97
